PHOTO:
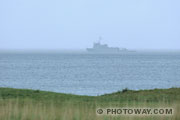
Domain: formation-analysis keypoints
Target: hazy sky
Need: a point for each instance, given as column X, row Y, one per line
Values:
column 76, row 24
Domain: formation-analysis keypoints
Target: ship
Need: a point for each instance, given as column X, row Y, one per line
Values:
column 104, row 48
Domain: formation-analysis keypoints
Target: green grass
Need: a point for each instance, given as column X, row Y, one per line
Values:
column 23, row 104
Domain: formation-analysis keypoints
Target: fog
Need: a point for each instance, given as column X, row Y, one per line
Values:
column 76, row 24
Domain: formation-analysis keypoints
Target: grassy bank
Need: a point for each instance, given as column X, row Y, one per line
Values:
column 18, row 104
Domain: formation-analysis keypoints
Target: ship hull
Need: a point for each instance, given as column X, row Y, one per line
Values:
column 109, row 51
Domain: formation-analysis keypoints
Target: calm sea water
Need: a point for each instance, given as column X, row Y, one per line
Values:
column 89, row 74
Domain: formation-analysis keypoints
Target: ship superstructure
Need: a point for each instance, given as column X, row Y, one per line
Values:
column 104, row 48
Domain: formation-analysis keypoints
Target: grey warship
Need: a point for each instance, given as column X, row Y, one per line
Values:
column 104, row 48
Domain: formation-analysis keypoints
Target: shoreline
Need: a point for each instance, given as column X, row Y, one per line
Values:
column 126, row 90
column 25, row 104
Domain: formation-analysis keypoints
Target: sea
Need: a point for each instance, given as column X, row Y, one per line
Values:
column 89, row 74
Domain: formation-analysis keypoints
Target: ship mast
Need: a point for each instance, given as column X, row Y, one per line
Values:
column 100, row 38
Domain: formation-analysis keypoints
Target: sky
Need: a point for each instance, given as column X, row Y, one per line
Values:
column 76, row 24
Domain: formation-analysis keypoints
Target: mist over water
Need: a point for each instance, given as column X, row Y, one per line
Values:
column 89, row 74
column 39, row 42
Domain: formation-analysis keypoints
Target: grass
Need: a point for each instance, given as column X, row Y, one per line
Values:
column 22, row 104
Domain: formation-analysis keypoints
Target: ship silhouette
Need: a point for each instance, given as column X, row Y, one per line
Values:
column 104, row 48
